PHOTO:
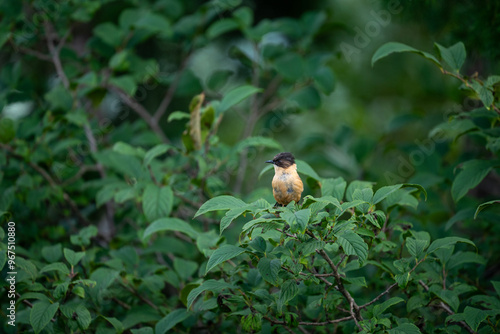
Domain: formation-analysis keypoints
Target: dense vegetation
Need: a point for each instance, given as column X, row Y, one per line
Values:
column 134, row 196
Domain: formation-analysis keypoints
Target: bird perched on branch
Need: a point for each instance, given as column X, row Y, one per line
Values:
column 287, row 185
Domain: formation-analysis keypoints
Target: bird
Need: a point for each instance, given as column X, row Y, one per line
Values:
column 287, row 185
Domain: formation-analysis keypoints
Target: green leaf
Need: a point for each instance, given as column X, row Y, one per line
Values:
column 117, row 324
column 458, row 259
column 297, row 220
column 353, row 244
column 496, row 285
column 211, row 285
column 235, row 96
column 405, row 328
column 484, row 205
column 288, row 291
column 306, row 98
column 52, row 253
column 220, row 27
column 269, row 269
column 170, row 320
column 380, row 308
column 333, row 187
column 448, row 241
column 454, row 56
column 383, row 192
column 73, row 257
column 109, row 33
column 41, row 313
column 416, row 247
column 258, row 142
column 219, row 203
column 155, row 152
column 59, row 98
column 125, row 83
column 154, row 23
column 218, row 79
column 119, row 61
column 58, row 266
column 304, row 168
column 7, row 130
column 472, row 173
column 230, row 216
column 126, row 149
column 222, row 254
column 290, row 66
column 354, row 185
column 324, row 80
column 170, row 224
column 393, row 47
column 177, row 116
column 484, row 93
column 157, row 201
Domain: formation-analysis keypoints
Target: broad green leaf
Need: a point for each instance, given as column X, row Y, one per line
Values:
column 458, row 259
column 235, row 96
column 333, row 187
column 104, row 277
column 472, row 173
column 109, row 33
column 155, row 152
column 448, row 241
column 117, row 324
column 177, row 116
column 484, row 93
column 492, row 80
column 416, row 247
column 269, row 269
column 41, row 314
column 154, row 23
column 448, row 296
column 220, row 27
column 211, row 285
column 356, row 185
column 290, row 66
column 297, row 220
column 83, row 316
column 380, row 308
column 222, row 254
column 402, row 279
column 28, row 267
column 126, row 149
column 258, row 142
column 289, row 290
column 52, row 253
column 496, row 285
column 218, row 79
column 58, row 266
column 157, row 201
column 59, row 98
column 304, row 168
column 170, row 320
column 324, row 80
column 405, row 328
column 220, row 203
column 125, row 83
column 454, row 56
column 7, row 130
column 230, row 216
column 484, row 205
column 73, row 257
column 306, row 98
column 353, row 244
column 393, row 47
column 170, row 224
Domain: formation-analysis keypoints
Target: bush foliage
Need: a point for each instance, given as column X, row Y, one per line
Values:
column 127, row 202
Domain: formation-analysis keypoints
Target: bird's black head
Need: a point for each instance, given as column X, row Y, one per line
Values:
column 283, row 160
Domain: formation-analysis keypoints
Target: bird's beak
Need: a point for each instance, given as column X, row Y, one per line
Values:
column 270, row 162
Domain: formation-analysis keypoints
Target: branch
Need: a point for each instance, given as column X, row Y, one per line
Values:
column 162, row 108
column 141, row 111
column 54, row 51
column 354, row 308
column 379, row 296
column 72, row 205
column 141, row 297
column 447, row 309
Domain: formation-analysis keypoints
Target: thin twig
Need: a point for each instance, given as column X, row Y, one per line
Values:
column 447, row 309
column 379, row 296
column 54, row 51
column 141, row 297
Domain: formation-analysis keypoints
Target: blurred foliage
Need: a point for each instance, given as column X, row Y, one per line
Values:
column 122, row 121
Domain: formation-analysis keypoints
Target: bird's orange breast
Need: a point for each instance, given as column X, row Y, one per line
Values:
column 287, row 186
